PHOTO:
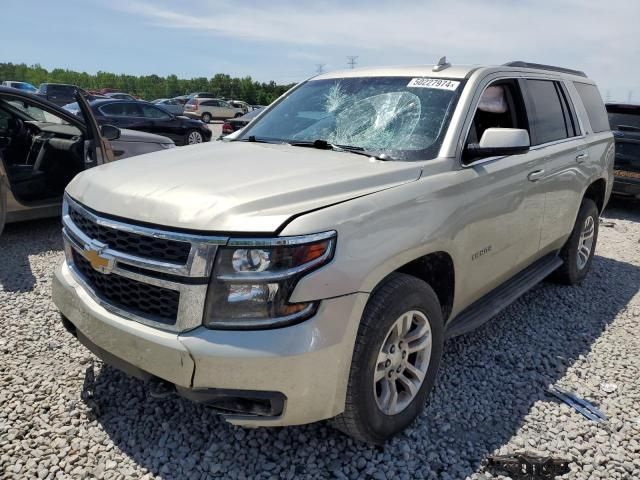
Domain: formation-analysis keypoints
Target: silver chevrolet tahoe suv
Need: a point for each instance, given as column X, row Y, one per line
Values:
column 312, row 265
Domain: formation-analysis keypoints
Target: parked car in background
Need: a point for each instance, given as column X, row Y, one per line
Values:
column 624, row 120
column 42, row 147
column 147, row 117
column 119, row 96
column 171, row 105
column 235, row 124
column 58, row 93
column 313, row 266
column 201, row 95
column 24, row 86
column 207, row 109
column 181, row 99
column 244, row 106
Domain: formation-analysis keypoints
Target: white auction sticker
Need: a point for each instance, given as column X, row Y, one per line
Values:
column 439, row 83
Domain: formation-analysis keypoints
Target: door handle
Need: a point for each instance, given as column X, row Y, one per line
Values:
column 582, row 157
column 535, row 176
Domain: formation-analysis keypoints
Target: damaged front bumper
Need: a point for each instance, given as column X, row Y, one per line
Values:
column 286, row 376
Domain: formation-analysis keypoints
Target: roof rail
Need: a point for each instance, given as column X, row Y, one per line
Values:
column 520, row 63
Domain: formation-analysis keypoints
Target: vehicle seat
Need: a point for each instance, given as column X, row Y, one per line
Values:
column 492, row 112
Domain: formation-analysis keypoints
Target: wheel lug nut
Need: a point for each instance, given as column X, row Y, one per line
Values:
column 399, row 369
column 404, row 354
column 390, row 373
column 392, row 349
column 387, row 363
column 400, row 344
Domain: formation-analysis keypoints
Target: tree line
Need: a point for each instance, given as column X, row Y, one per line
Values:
column 149, row 87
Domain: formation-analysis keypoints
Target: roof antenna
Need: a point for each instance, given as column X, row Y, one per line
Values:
column 442, row 64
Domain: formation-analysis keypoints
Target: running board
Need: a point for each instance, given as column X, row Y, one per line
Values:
column 481, row 311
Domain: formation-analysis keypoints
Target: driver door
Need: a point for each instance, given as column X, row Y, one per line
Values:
column 97, row 149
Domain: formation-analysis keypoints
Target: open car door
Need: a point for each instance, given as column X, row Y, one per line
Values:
column 97, row 148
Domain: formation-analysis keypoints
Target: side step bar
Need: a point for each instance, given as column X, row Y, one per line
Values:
column 482, row 310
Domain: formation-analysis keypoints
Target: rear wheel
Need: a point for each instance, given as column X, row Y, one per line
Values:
column 395, row 360
column 577, row 253
column 193, row 137
column 238, row 115
column 206, row 117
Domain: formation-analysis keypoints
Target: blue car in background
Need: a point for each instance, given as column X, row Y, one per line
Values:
column 24, row 86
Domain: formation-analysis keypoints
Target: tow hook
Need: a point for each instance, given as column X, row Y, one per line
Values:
column 161, row 389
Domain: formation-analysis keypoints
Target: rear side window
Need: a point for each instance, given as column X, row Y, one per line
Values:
column 210, row 103
column 153, row 112
column 595, row 107
column 549, row 116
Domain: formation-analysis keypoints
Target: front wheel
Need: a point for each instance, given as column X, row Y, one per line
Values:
column 193, row 137
column 238, row 115
column 577, row 253
column 395, row 360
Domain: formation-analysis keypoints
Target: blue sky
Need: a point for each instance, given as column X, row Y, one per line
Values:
column 283, row 40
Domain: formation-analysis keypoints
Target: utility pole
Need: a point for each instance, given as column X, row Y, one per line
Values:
column 320, row 68
column 351, row 60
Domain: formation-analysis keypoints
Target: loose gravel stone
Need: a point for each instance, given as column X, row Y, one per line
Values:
column 489, row 397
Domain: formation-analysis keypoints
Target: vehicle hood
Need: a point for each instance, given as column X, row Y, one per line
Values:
column 233, row 186
column 127, row 135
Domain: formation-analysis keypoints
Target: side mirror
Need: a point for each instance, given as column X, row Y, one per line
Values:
column 110, row 132
column 499, row 142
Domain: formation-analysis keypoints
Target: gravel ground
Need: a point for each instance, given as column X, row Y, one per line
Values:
column 489, row 397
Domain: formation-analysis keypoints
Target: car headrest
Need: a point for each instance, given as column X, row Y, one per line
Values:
column 493, row 100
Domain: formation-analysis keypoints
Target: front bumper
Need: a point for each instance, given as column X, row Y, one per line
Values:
column 307, row 363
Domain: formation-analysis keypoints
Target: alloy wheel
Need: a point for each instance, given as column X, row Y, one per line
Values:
column 402, row 363
column 194, row 137
column 585, row 243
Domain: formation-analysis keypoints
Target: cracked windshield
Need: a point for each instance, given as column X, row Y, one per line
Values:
column 401, row 116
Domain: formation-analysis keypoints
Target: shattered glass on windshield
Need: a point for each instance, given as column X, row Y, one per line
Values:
column 382, row 114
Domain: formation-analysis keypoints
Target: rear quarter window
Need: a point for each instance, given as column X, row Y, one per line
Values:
column 594, row 106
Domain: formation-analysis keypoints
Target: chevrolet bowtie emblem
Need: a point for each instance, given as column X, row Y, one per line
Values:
column 94, row 253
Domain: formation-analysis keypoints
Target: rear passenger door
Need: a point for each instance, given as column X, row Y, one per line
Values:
column 557, row 137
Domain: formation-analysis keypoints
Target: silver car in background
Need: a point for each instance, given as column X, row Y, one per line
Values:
column 170, row 105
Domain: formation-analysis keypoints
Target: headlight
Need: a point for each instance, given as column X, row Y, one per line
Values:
column 253, row 280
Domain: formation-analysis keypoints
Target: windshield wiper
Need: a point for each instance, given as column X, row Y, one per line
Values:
column 324, row 145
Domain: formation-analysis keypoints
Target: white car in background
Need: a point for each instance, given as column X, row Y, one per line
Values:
column 207, row 109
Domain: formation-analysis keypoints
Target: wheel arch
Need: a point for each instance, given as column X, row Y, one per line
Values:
column 438, row 271
column 597, row 191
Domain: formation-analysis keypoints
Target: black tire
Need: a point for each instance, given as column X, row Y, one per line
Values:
column 206, row 117
column 238, row 115
column 571, row 272
column 362, row 419
column 189, row 134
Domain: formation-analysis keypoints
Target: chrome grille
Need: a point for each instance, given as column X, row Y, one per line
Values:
column 140, row 273
column 131, row 243
column 160, row 304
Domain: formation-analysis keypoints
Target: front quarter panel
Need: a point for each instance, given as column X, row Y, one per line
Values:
column 380, row 232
